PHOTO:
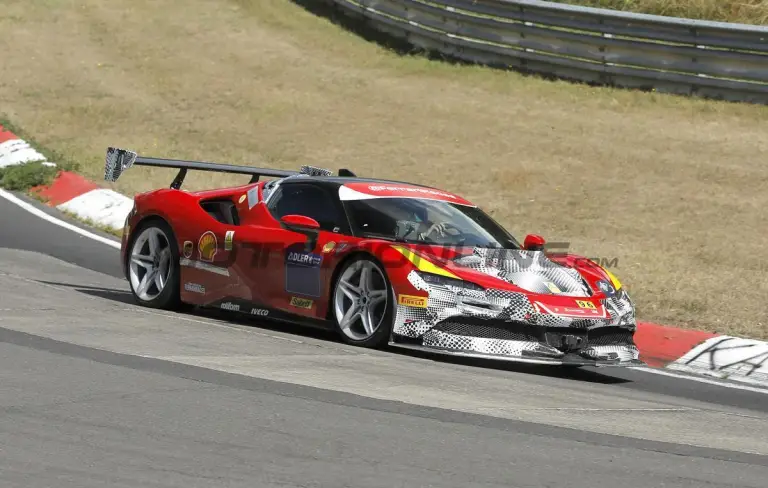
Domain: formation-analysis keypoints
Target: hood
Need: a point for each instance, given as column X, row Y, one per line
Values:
column 530, row 270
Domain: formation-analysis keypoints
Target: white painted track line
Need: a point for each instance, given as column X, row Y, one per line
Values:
column 39, row 213
column 700, row 379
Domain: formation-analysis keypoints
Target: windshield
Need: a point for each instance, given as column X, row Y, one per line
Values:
column 426, row 222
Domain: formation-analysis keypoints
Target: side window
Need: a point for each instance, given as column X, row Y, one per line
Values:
column 310, row 201
column 222, row 210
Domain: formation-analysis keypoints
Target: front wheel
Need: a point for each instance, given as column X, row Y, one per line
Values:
column 153, row 266
column 362, row 304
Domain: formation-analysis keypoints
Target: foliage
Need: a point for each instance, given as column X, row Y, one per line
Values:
column 25, row 176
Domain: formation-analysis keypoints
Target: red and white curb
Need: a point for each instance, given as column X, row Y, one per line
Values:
column 726, row 357
column 72, row 193
column 69, row 192
column 15, row 151
column 668, row 348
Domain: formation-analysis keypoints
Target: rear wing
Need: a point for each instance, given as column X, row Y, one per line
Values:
column 119, row 160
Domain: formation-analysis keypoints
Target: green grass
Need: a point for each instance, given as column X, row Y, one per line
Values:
column 22, row 177
column 741, row 11
column 63, row 162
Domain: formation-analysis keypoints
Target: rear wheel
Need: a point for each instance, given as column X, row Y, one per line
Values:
column 153, row 266
column 362, row 303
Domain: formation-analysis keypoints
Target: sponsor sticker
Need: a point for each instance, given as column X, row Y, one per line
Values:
column 302, row 273
column 230, row 306
column 242, row 198
column 189, row 247
column 423, row 191
column 328, row 247
column 305, row 258
column 569, row 311
column 412, row 301
column 194, row 287
column 228, row 238
column 341, row 247
column 301, row 302
column 211, row 268
column 606, row 287
column 586, row 304
column 207, row 246
column 260, row 312
column 253, row 197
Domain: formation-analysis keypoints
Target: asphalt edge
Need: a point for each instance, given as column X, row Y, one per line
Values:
column 690, row 351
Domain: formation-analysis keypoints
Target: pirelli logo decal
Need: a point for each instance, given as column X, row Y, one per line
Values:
column 412, row 301
column 586, row 304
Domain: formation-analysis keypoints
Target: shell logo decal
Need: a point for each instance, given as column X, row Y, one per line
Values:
column 329, row 247
column 207, row 246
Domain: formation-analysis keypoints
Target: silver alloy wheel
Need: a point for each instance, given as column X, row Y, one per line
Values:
column 150, row 263
column 360, row 300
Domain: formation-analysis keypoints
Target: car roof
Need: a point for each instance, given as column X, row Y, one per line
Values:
column 334, row 183
column 343, row 180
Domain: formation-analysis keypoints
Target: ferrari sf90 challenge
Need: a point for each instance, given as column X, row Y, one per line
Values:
column 380, row 262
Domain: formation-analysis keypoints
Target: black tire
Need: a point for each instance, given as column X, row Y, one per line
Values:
column 169, row 297
column 381, row 335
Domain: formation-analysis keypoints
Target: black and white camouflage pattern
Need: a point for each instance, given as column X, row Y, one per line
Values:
column 117, row 161
column 477, row 321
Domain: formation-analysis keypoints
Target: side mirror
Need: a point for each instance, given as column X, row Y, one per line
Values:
column 534, row 242
column 299, row 223
column 303, row 225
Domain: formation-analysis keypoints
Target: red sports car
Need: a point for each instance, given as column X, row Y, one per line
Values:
column 381, row 262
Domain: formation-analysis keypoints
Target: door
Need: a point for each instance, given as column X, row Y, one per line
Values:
column 300, row 273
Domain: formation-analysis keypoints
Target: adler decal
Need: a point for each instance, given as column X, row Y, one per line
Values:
column 302, row 272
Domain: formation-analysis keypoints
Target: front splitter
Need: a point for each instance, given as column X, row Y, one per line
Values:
column 568, row 360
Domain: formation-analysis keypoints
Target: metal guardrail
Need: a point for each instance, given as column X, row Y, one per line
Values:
column 608, row 47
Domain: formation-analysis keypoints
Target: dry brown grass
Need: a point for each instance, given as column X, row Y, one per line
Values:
column 743, row 11
column 673, row 187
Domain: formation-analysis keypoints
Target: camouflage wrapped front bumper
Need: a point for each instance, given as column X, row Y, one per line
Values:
column 463, row 319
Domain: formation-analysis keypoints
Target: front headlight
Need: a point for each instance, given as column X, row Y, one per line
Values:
column 438, row 280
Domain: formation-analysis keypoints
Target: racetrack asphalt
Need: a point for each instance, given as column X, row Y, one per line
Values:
column 99, row 392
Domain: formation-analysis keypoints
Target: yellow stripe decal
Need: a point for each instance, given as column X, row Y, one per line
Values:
column 424, row 265
column 614, row 280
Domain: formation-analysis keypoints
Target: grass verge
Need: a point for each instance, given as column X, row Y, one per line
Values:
column 741, row 11
column 671, row 190
column 22, row 177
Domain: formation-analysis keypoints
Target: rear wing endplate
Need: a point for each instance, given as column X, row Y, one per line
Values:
column 119, row 160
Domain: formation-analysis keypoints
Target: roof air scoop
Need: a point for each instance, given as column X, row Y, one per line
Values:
column 314, row 171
